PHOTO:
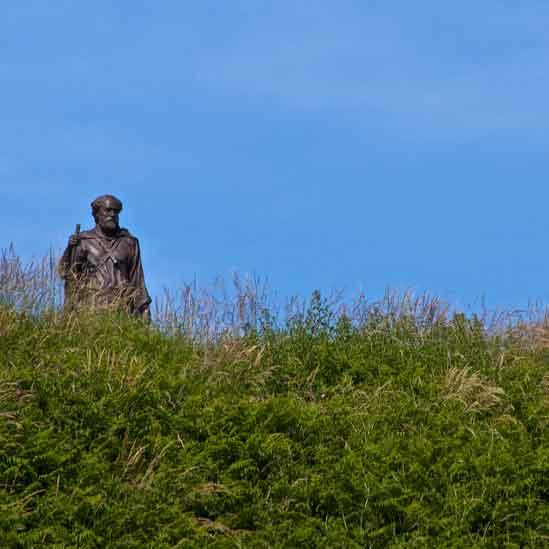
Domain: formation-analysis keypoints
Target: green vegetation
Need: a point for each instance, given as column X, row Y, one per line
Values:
column 323, row 432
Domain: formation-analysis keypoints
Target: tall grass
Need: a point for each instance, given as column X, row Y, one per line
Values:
column 235, row 307
column 33, row 287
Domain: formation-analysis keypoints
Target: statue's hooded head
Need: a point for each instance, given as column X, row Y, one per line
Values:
column 105, row 211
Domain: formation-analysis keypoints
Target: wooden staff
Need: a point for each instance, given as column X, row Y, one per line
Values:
column 70, row 282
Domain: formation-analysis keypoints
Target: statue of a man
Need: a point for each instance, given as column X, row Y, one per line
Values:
column 102, row 267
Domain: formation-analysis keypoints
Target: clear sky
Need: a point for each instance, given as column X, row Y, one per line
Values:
column 322, row 144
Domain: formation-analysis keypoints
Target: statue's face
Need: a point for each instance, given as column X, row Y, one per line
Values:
column 107, row 217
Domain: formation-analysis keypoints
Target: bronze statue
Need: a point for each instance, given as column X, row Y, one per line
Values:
column 102, row 267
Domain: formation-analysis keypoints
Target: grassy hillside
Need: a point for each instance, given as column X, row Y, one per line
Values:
column 386, row 429
column 322, row 434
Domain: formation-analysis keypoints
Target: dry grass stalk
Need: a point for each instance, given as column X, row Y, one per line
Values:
column 147, row 477
column 468, row 387
column 217, row 527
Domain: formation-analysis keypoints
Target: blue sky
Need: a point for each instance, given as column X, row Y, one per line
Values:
column 349, row 144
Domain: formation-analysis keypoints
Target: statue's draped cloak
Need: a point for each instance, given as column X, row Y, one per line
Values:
column 102, row 271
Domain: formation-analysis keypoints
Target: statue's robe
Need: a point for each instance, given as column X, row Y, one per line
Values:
column 103, row 272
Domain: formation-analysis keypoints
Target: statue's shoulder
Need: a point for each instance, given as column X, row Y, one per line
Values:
column 87, row 235
column 124, row 233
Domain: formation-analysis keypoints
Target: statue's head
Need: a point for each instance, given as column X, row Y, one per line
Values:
column 105, row 211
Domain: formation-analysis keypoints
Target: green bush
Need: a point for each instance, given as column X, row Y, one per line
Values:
column 321, row 433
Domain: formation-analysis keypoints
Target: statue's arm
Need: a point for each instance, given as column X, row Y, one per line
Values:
column 65, row 263
column 137, row 280
column 71, row 260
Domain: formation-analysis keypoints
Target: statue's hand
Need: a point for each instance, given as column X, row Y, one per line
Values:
column 74, row 239
column 146, row 313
